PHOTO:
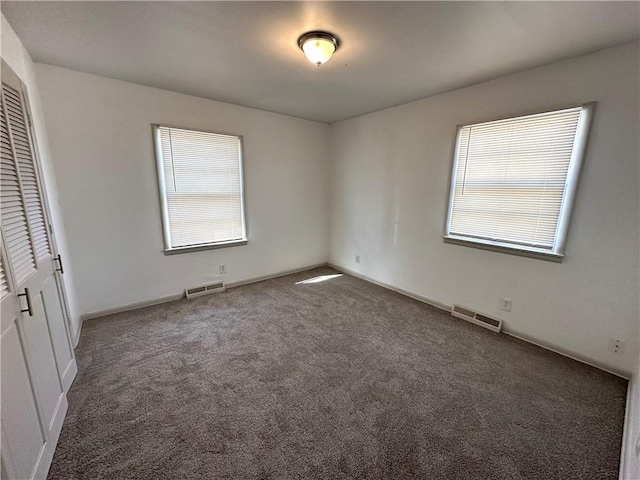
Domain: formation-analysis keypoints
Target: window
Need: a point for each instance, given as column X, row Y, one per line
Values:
column 201, row 190
column 513, row 182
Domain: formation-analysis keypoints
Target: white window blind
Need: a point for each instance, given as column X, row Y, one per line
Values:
column 201, row 182
column 510, row 178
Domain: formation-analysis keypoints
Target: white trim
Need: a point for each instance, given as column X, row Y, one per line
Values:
column 415, row 296
column 131, row 306
column 631, row 435
column 502, row 247
column 275, row 275
column 626, row 431
column 206, row 246
column 161, row 185
column 178, row 296
column 573, row 175
column 505, row 329
column 565, row 353
column 453, row 174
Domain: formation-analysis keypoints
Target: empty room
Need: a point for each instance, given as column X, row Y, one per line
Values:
column 320, row 240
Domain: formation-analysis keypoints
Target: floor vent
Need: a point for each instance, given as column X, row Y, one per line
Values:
column 477, row 318
column 204, row 289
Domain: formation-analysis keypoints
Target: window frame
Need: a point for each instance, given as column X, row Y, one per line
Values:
column 578, row 154
column 164, row 210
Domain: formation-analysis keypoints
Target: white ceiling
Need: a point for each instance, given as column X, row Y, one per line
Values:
column 246, row 52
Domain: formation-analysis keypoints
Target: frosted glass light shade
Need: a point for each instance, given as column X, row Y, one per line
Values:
column 318, row 50
column 318, row 47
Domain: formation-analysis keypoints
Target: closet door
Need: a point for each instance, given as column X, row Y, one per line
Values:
column 23, row 439
column 38, row 324
column 41, row 233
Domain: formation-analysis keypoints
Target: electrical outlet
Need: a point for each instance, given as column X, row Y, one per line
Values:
column 357, row 258
column 505, row 304
column 616, row 345
column 222, row 268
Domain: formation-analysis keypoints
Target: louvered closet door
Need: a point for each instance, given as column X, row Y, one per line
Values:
column 14, row 219
column 38, row 338
column 30, row 249
column 33, row 204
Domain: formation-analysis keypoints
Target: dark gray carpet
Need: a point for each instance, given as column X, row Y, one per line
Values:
column 339, row 379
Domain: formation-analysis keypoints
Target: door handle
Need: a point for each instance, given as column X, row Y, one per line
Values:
column 61, row 269
column 28, row 309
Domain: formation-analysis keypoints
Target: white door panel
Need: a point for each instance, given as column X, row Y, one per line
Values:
column 20, row 421
column 42, row 361
column 57, row 328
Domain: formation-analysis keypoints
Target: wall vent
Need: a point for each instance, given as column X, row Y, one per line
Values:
column 204, row 289
column 477, row 318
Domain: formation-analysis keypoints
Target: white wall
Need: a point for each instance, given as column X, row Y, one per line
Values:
column 20, row 62
column 387, row 185
column 389, row 190
column 100, row 133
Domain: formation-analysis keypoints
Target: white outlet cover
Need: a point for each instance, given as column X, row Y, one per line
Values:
column 505, row 304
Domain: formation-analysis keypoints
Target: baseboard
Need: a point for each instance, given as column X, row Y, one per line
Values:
column 512, row 333
column 415, row 296
column 505, row 329
column 629, row 467
column 275, row 275
column 131, row 306
column 178, row 296
column 626, row 431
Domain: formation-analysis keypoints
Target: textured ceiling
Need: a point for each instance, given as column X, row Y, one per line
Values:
column 245, row 52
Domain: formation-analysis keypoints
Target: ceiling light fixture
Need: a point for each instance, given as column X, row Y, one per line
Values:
column 318, row 46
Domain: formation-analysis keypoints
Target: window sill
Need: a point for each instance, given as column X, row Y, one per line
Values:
column 208, row 246
column 501, row 248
